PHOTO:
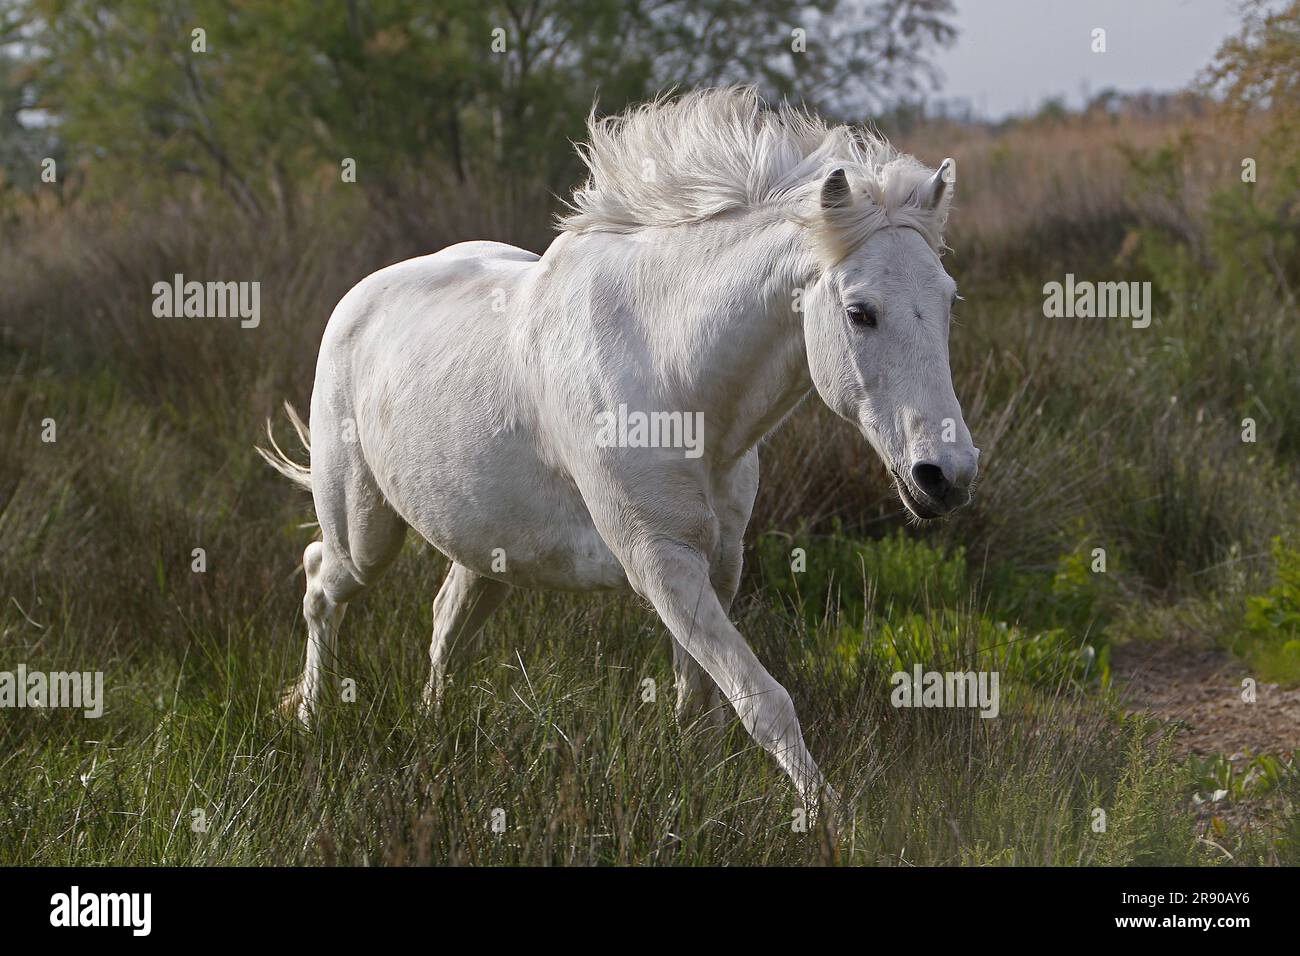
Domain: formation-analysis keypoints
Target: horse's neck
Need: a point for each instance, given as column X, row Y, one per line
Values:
column 730, row 318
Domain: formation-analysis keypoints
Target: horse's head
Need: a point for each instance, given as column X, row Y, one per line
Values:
column 876, row 330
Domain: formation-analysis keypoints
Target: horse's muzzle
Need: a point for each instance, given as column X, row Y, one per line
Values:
column 931, row 493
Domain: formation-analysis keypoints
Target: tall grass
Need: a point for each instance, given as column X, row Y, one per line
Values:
column 1094, row 435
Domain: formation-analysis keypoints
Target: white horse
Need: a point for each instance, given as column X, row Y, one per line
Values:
column 721, row 261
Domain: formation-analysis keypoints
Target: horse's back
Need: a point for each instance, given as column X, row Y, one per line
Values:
column 425, row 280
column 487, row 249
column 428, row 324
column 417, row 314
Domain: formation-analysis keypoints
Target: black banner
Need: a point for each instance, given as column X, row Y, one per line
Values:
column 333, row 906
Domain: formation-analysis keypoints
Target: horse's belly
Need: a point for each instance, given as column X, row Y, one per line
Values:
column 489, row 503
column 542, row 542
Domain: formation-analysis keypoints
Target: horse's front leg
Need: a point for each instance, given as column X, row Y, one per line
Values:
column 697, row 694
column 733, row 498
column 675, row 579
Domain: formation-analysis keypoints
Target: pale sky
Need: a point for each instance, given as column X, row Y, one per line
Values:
column 1010, row 55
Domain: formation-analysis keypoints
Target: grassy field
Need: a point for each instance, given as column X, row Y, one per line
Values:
column 1094, row 435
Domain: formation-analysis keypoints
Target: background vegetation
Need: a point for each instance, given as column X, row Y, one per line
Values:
column 227, row 165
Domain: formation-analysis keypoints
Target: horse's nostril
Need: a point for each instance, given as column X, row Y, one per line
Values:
column 930, row 479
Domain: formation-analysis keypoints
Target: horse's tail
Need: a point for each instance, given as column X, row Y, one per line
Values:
column 299, row 474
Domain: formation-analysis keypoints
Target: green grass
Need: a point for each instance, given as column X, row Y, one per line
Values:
column 548, row 722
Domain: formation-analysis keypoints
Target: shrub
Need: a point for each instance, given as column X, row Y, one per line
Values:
column 1270, row 637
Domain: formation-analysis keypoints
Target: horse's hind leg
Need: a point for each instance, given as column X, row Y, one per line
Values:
column 463, row 604
column 335, row 575
column 322, row 607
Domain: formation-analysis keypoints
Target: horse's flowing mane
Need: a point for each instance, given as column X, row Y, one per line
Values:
column 671, row 162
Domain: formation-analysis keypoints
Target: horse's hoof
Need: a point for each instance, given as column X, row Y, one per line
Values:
column 293, row 708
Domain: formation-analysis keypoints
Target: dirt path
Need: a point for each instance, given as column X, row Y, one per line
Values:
column 1200, row 689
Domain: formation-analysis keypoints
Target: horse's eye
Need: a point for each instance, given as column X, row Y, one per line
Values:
column 864, row 315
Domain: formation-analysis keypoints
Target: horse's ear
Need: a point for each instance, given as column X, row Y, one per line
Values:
column 933, row 191
column 835, row 190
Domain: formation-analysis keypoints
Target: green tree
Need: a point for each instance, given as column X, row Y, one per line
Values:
column 258, row 96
